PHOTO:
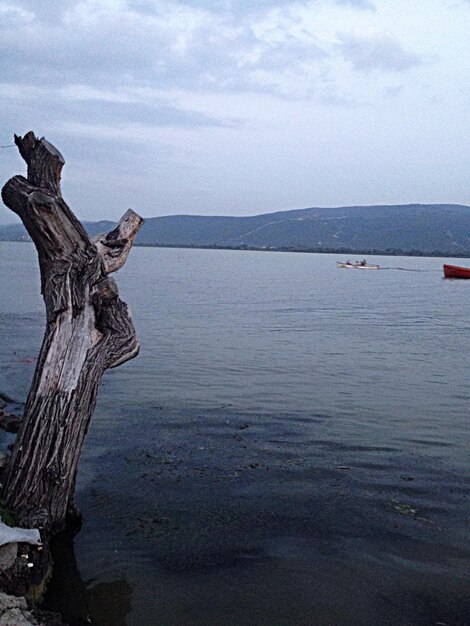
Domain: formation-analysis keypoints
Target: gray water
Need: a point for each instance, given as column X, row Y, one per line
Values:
column 290, row 447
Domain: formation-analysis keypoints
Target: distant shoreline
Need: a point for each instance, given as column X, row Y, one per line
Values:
column 342, row 251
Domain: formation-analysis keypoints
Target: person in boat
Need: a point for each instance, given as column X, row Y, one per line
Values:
column 363, row 263
column 348, row 262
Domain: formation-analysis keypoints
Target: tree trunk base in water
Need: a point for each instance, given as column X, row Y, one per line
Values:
column 88, row 330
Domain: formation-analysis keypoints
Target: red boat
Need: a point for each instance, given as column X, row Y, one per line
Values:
column 454, row 271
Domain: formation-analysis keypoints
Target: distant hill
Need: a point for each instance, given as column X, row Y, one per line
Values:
column 414, row 228
column 13, row 232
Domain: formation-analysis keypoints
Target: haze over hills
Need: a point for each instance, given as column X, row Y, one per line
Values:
column 414, row 228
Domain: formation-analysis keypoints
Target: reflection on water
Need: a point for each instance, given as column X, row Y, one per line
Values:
column 79, row 602
column 290, row 447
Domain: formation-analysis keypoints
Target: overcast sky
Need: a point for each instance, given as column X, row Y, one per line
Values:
column 238, row 107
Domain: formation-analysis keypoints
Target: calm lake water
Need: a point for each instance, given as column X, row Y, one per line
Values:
column 290, row 447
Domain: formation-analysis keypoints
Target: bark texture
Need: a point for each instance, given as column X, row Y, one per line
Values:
column 89, row 329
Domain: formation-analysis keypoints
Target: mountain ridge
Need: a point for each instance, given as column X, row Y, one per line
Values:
column 410, row 228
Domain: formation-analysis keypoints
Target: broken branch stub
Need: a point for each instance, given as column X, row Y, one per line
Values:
column 88, row 330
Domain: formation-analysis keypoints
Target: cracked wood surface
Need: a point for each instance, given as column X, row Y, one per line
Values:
column 88, row 330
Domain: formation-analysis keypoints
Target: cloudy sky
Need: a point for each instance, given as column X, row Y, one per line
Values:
column 240, row 107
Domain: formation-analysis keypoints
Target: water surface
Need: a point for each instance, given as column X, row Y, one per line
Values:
column 290, row 447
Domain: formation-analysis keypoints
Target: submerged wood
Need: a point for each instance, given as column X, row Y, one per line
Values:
column 88, row 330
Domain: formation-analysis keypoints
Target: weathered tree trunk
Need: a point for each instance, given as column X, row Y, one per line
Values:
column 89, row 329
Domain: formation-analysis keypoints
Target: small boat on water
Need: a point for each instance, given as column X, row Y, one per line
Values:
column 359, row 265
column 454, row 271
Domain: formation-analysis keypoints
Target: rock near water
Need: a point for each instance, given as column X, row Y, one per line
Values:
column 14, row 612
column 9, row 421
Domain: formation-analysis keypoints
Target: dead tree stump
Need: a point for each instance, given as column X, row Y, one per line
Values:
column 88, row 330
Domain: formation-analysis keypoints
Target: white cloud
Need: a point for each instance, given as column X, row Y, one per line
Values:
column 168, row 44
column 12, row 15
column 376, row 52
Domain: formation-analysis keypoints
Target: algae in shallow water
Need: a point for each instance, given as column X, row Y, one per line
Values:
column 404, row 509
column 5, row 399
column 6, row 516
